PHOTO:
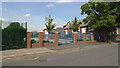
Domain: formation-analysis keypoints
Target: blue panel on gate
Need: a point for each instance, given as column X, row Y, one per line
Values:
column 88, row 36
column 79, row 36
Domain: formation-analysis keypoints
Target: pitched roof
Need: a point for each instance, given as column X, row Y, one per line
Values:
column 78, row 21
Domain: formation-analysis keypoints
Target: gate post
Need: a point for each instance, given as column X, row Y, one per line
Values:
column 56, row 38
column 84, row 37
column 92, row 37
column 41, row 39
column 75, row 38
column 29, row 40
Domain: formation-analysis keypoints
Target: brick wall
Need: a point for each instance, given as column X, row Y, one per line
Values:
column 56, row 43
column 84, row 37
column 29, row 40
column 41, row 43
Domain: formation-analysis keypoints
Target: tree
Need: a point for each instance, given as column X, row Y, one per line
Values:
column 70, row 26
column 102, row 16
column 13, row 36
column 75, row 25
column 48, row 24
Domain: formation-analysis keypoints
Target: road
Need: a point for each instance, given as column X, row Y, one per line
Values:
column 102, row 55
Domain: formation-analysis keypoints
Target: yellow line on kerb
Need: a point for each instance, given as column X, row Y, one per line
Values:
column 36, row 57
column 20, row 59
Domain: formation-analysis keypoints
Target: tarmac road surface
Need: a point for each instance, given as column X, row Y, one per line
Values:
column 102, row 55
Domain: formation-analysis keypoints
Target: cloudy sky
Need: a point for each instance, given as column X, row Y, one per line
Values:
column 35, row 12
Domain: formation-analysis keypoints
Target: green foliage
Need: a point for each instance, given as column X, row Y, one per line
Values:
column 75, row 25
column 13, row 36
column 79, row 22
column 48, row 24
column 102, row 16
column 79, row 39
column 71, row 41
column 70, row 26
column 87, row 39
column 109, row 41
column 46, row 41
column 34, row 41
column 37, row 41
column 35, row 35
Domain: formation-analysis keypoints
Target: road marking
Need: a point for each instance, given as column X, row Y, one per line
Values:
column 36, row 57
column 115, row 43
column 29, row 53
column 20, row 59
column 17, row 59
column 12, row 55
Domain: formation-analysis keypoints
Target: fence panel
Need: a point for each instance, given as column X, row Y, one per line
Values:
column 34, row 37
column 66, row 38
column 80, row 36
column 49, row 38
column 88, row 36
column 61, row 36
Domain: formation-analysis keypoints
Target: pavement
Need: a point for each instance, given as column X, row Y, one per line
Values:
column 28, row 51
column 70, row 46
column 89, row 54
column 23, row 52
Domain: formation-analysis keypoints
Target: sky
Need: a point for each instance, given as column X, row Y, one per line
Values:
column 34, row 13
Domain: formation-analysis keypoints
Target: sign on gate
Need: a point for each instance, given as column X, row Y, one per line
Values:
column 83, row 30
column 66, row 32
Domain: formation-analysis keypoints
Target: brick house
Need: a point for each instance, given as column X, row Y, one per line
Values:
column 80, row 22
column 61, row 31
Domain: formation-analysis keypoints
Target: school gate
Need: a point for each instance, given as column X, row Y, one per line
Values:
column 66, row 37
